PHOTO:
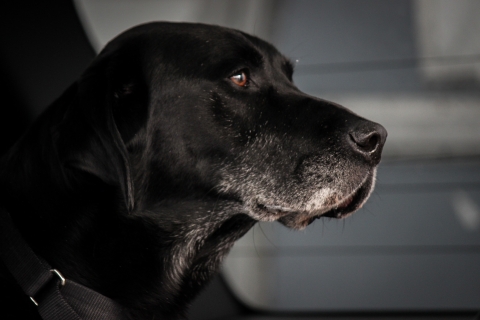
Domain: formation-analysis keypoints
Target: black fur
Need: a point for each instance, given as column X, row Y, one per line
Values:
column 138, row 180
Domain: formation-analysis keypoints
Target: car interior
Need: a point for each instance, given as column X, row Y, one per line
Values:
column 413, row 251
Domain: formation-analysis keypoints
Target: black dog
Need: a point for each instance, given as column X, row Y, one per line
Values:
column 172, row 145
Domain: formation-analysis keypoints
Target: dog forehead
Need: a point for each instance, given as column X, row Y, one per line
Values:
column 194, row 45
column 208, row 46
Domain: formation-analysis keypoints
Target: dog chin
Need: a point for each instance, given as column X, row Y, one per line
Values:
column 300, row 219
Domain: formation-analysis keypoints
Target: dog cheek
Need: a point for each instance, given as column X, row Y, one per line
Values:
column 207, row 170
column 311, row 184
column 235, row 119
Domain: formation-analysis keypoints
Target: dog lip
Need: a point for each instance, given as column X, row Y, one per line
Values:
column 350, row 204
column 299, row 218
column 347, row 201
column 271, row 212
column 342, row 208
column 277, row 209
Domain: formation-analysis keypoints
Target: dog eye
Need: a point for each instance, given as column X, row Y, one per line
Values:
column 240, row 78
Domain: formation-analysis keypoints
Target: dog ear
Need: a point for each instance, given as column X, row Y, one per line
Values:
column 89, row 137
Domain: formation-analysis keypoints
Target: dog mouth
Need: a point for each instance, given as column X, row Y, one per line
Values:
column 299, row 219
column 349, row 204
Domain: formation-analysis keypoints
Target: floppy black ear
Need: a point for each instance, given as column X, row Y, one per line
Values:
column 89, row 137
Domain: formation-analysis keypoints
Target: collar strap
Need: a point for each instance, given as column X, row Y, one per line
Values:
column 56, row 297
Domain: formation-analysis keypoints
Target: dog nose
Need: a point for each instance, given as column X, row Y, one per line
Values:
column 368, row 139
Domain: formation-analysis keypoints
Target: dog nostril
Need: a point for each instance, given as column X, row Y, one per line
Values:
column 368, row 142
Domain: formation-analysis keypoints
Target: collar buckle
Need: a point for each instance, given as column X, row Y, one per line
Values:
column 62, row 282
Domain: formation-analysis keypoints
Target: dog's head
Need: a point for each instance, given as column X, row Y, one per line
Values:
column 200, row 111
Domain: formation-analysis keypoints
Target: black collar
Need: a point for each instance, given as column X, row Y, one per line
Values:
column 55, row 297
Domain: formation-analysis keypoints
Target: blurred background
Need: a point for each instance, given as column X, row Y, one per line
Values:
column 413, row 251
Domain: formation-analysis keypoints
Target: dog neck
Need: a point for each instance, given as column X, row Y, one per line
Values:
column 153, row 260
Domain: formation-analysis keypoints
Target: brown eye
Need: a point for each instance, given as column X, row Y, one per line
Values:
column 240, row 79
